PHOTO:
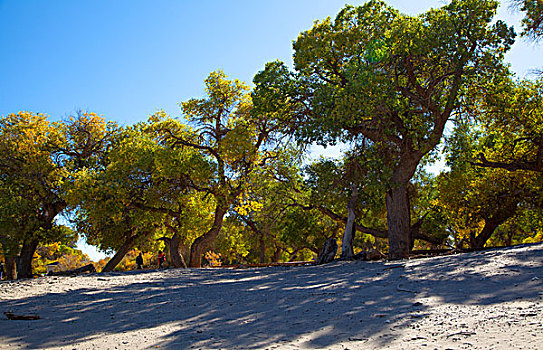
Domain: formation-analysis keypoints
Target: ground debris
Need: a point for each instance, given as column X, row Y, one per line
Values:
column 468, row 334
column 12, row 316
column 400, row 289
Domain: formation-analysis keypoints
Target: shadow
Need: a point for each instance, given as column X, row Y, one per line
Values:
column 343, row 303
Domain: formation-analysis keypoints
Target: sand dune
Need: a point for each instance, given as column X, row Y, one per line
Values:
column 485, row 300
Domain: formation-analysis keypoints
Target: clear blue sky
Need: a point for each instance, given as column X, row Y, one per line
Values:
column 126, row 58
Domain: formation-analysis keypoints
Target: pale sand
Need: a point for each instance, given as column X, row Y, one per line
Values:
column 485, row 300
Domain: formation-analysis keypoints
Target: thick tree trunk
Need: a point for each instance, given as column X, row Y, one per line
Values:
column 11, row 268
column 205, row 241
column 184, row 252
column 347, row 251
column 328, row 251
column 399, row 222
column 24, row 265
column 176, row 255
column 119, row 255
column 24, row 261
column 480, row 240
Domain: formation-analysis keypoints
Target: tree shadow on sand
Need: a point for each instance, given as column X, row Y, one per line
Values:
column 315, row 306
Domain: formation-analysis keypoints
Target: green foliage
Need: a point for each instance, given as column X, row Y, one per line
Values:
column 233, row 243
column 141, row 191
column 384, row 83
column 510, row 114
column 67, row 257
column 532, row 23
column 39, row 160
column 227, row 134
column 473, row 198
column 28, row 174
column 371, row 72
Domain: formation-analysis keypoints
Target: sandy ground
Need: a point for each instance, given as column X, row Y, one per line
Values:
column 485, row 300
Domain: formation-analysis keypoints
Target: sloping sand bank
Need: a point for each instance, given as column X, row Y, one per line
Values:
column 485, row 300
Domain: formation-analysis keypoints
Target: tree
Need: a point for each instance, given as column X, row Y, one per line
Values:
column 64, row 253
column 38, row 159
column 532, row 22
column 511, row 113
column 269, row 189
column 387, row 81
column 141, row 193
column 283, row 226
column 230, row 136
column 330, row 182
column 479, row 200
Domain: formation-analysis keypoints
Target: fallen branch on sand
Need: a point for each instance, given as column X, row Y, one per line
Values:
column 12, row 316
column 400, row 289
column 87, row 268
column 461, row 333
column 390, row 267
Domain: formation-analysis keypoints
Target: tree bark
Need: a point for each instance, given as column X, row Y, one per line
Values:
column 24, row 265
column 399, row 222
column 490, row 226
column 347, row 251
column 261, row 234
column 11, row 268
column 176, row 255
column 328, row 251
column 415, row 231
column 276, row 255
column 87, row 268
column 205, row 241
column 507, row 210
column 262, row 248
column 536, row 165
column 47, row 217
column 119, row 255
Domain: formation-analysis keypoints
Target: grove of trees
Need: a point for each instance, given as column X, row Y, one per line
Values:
column 230, row 182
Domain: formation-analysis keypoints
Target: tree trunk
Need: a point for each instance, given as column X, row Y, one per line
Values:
column 480, row 240
column 205, row 241
column 184, row 252
column 177, row 259
column 276, row 255
column 347, row 251
column 328, row 251
column 262, row 249
column 119, row 255
column 507, row 210
column 262, row 234
column 175, row 250
column 24, row 261
column 11, row 268
column 24, row 265
column 399, row 222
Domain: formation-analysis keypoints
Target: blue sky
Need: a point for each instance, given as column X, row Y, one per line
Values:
column 125, row 59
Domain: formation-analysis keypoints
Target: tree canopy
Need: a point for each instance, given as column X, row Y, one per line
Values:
column 228, row 181
column 386, row 83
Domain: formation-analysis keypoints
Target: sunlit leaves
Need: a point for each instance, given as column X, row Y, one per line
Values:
column 142, row 190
